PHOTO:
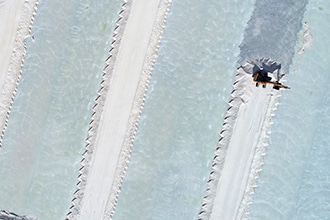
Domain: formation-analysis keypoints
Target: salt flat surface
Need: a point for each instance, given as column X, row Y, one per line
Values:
column 294, row 182
column 184, row 109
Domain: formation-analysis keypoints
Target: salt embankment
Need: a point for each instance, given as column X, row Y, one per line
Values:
column 16, row 19
column 239, row 153
column 117, row 108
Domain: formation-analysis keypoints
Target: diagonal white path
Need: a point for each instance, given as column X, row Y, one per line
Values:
column 246, row 137
column 246, row 146
column 16, row 18
column 119, row 106
column 10, row 14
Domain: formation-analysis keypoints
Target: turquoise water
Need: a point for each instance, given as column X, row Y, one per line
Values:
column 184, row 110
column 48, row 124
column 295, row 181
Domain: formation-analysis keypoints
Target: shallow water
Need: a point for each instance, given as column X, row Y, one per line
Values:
column 184, row 110
column 295, row 181
column 48, row 123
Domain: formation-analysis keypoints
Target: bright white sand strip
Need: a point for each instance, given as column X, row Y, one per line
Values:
column 10, row 14
column 112, row 133
column 16, row 17
column 246, row 137
column 239, row 154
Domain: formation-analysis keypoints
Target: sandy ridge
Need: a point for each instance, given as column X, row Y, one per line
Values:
column 240, row 150
column 83, row 205
column 139, row 100
column 258, row 159
column 11, row 78
column 222, row 146
column 74, row 211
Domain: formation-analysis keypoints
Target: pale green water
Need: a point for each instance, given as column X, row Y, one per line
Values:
column 48, row 124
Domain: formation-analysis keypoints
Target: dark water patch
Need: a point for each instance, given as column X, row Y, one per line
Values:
column 272, row 31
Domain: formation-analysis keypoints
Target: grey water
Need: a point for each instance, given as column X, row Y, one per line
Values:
column 48, row 124
column 184, row 110
column 272, row 31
